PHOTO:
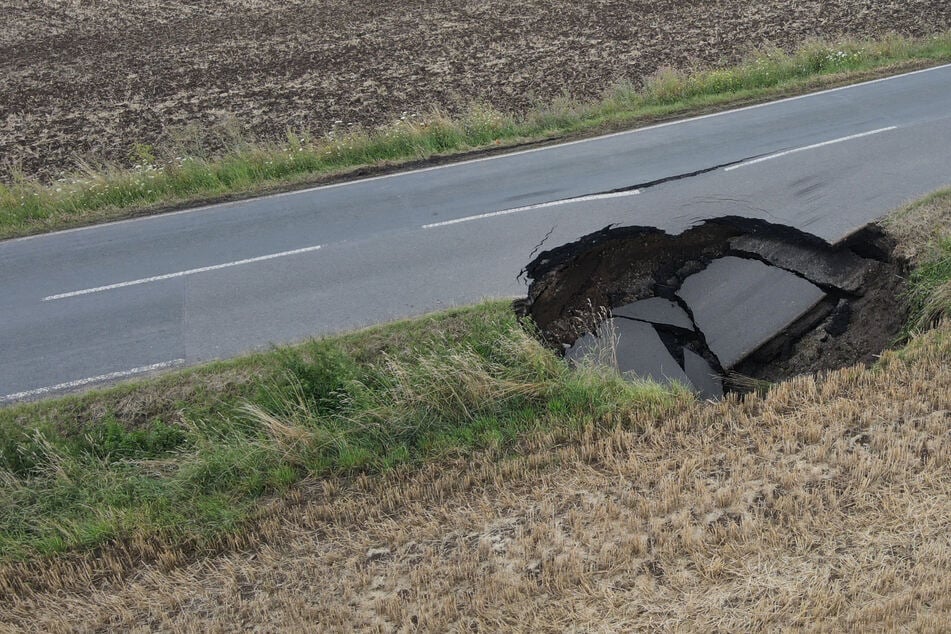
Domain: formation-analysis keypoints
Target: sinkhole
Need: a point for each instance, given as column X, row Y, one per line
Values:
column 728, row 305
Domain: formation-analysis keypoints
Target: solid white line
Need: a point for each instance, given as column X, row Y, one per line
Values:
column 809, row 147
column 9, row 398
column 168, row 276
column 554, row 146
column 515, row 210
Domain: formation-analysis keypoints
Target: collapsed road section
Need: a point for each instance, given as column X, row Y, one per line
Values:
column 725, row 305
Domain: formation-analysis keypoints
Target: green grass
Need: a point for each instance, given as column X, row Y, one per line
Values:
column 162, row 181
column 930, row 287
column 923, row 232
column 188, row 456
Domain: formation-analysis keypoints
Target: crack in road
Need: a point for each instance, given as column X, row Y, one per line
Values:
column 629, row 190
column 521, row 274
column 676, row 177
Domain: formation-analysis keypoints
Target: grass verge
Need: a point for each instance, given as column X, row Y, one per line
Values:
column 188, row 458
column 163, row 181
column 923, row 232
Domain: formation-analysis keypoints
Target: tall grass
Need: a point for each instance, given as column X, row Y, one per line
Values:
column 923, row 232
column 187, row 173
column 321, row 411
column 930, row 288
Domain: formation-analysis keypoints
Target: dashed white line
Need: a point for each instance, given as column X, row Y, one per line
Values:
column 9, row 398
column 168, row 276
column 809, row 147
column 515, row 210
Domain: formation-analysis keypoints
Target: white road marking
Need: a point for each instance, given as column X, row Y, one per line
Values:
column 515, row 210
column 809, row 147
column 554, row 146
column 9, row 398
column 168, row 276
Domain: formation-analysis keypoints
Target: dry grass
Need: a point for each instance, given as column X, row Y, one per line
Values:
column 825, row 504
column 921, row 227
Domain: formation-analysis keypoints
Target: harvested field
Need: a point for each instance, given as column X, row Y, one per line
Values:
column 824, row 505
column 90, row 81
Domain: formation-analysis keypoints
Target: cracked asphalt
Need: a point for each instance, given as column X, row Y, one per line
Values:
column 115, row 300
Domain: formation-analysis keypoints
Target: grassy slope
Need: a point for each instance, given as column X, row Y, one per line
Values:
column 824, row 505
column 28, row 207
column 187, row 457
column 922, row 230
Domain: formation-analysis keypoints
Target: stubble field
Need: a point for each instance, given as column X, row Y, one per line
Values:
column 90, row 81
column 824, row 506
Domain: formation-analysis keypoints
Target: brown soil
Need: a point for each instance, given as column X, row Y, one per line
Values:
column 875, row 320
column 90, row 80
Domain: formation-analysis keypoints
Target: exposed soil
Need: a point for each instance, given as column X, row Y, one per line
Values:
column 576, row 286
column 91, row 79
column 874, row 322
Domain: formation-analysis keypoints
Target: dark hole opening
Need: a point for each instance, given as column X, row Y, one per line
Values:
column 754, row 301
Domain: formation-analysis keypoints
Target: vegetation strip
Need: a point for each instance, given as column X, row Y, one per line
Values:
column 139, row 460
column 189, row 457
column 29, row 206
column 824, row 504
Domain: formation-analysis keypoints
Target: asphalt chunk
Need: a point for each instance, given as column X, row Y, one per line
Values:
column 706, row 380
column 632, row 347
column 740, row 304
column 656, row 310
column 838, row 268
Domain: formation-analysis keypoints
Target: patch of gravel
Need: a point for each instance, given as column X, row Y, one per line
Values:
column 90, row 80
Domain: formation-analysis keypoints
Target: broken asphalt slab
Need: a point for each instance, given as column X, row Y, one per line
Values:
column 740, row 305
column 821, row 265
column 632, row 347
column 706, row 380
column 656, row 310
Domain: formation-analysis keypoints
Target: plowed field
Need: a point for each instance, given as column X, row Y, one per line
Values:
column 89, row 80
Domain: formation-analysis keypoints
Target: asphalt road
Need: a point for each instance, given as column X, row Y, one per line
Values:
column 143, row 295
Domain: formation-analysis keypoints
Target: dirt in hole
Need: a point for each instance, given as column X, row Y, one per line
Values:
column 733, row 300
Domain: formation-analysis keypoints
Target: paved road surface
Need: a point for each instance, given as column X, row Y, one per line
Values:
column 118, row 299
